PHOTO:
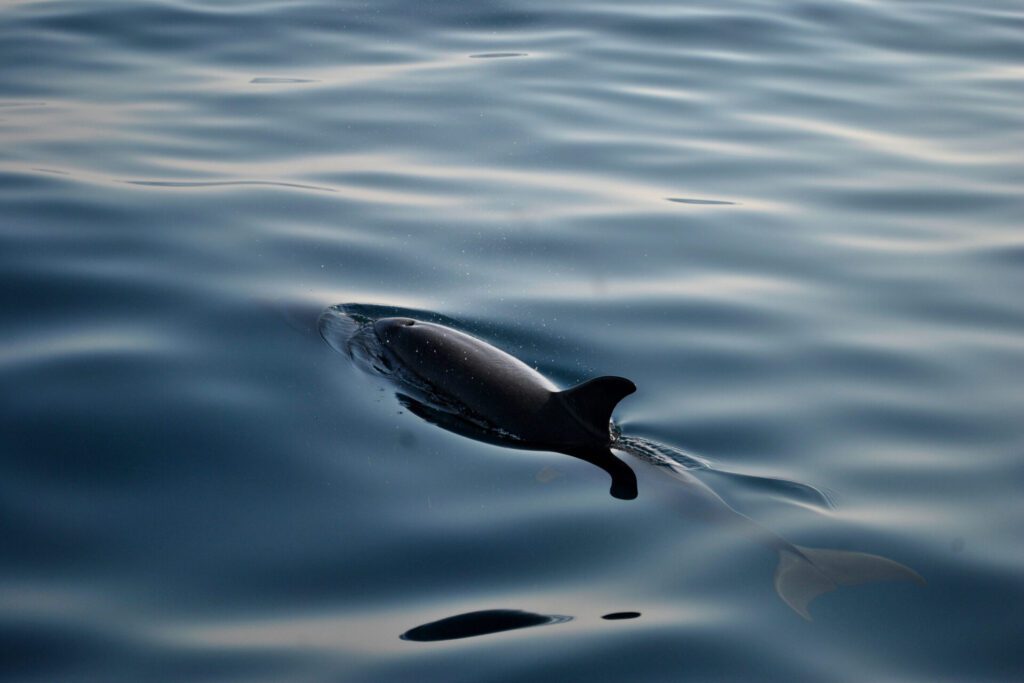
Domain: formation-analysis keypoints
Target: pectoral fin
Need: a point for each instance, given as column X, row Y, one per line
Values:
column 624, row 486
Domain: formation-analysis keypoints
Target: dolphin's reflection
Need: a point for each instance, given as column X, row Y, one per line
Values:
column 480, row 623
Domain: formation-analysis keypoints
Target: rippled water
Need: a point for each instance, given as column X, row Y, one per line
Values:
column 795, row 226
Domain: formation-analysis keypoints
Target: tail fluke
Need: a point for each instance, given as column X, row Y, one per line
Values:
column 804, row 575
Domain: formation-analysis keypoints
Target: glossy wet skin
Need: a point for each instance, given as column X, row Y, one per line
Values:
column 466, row 386
column 492, row 384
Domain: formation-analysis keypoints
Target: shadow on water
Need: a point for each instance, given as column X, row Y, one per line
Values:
column 466, row 386
column 621, row 616
column 489, row 621
column 481, row 623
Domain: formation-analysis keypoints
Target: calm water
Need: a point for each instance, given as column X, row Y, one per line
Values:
column 797, row 227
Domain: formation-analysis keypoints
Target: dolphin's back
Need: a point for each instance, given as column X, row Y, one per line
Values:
column 491, row 383
column 501, row 390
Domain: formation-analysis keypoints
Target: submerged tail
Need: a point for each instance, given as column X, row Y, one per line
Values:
column 805, row 573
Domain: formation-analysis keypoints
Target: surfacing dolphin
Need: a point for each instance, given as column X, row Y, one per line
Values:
column 471, row 388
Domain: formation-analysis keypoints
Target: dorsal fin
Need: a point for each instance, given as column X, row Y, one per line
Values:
column 593, row 401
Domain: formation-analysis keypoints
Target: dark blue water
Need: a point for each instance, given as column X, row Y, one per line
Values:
column 797, row 227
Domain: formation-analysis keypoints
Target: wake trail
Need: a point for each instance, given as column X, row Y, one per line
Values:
column 678, row 460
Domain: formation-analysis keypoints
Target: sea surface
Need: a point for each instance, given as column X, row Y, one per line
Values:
column 798, row 227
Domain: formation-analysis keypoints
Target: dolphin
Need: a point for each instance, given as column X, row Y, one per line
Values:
column 469, row 387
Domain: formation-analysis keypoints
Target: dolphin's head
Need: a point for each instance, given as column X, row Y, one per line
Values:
column 390, row 330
